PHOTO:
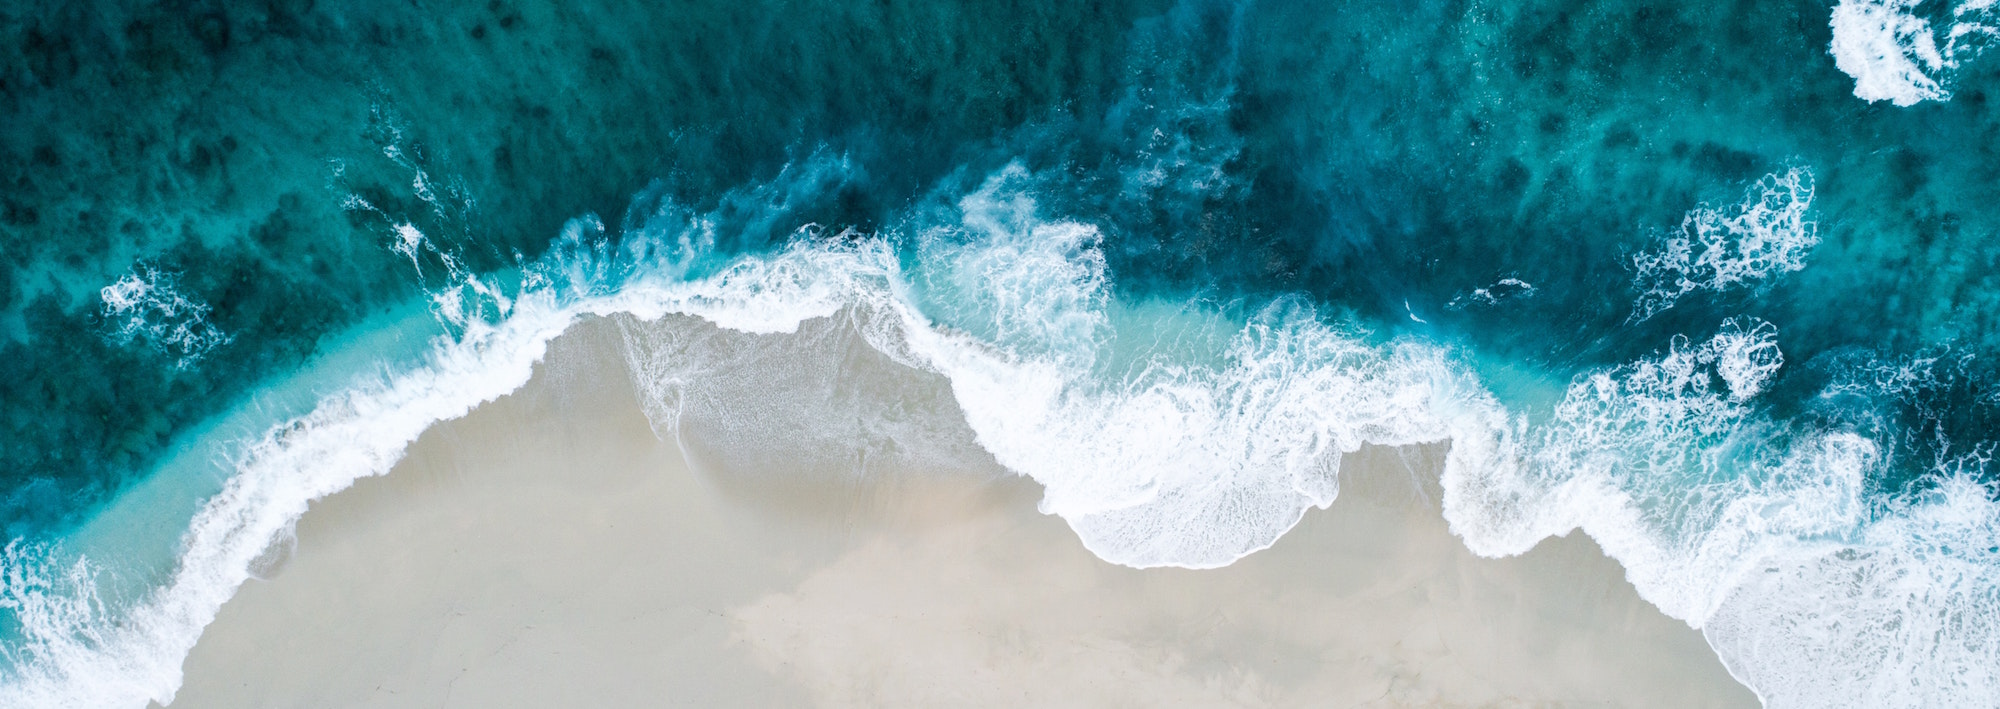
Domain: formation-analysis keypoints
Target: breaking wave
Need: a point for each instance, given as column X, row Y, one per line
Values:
column 1166, row 434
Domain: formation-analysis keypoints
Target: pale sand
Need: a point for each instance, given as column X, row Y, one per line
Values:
column 550, row 551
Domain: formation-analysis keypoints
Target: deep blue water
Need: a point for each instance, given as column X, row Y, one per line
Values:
column 1713, row 282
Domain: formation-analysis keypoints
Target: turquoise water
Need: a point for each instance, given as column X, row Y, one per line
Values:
column 1710, row 282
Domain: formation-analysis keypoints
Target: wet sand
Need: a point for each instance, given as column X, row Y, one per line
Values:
column 550, row 550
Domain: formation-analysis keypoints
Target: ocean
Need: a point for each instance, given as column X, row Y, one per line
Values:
column 1711, row 283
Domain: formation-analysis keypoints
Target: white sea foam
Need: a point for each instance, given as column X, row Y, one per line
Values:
column 78, row 651
column 1163, row 461
column 1117, row 456
column 1718, row 248
column 1505, row 289
column 146, row 304
column 128, row 656
column 1895, row 55
column 1907, row 615
column 1165, row 434
column 1686, row 484
column 1659, row 464
column 1891, row 53
column 1760, row 535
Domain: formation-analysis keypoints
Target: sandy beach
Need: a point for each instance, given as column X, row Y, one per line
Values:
column 551, row 550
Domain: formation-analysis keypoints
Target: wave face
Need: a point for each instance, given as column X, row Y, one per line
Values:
column 1655, row 274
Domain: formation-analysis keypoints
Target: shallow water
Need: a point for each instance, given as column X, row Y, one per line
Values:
column 1711, row 283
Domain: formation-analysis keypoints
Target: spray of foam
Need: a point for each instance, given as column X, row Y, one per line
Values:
column 1759, row 534
column 1895, row 55
column 1197, row 459
column 1716, row 249
column 1188, row 458
column 1503, row 290
column 1908, row 615
column 1036, row 288
column 1666, row 464
column 79, row 651
column 146, row 305
column 1190, row 455
column 1163, row 433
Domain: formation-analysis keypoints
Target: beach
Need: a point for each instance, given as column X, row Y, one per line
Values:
column 940, row 353
column 552, row 549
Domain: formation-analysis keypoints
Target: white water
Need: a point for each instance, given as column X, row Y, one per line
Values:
column 1897, row 56
column 1903, row 616
column 1766, row 235
column 1166, row 435
column 146, row 304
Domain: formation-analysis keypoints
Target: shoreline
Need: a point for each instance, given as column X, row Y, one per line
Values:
column 549, row 548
